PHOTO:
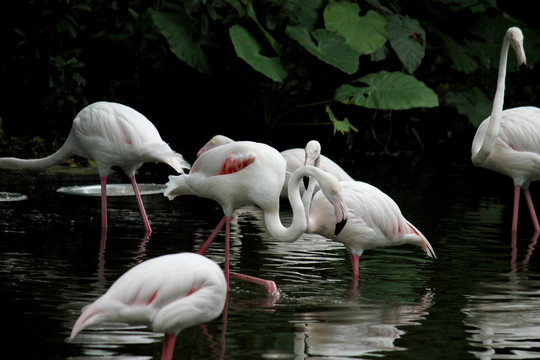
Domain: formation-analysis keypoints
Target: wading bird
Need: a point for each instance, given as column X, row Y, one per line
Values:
column 110, row 134
column 509, row 141
column 168, row 293
column 374, row 219
column 248, row 173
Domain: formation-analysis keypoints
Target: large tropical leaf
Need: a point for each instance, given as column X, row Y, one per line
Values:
column 364, row 34
column 407, row 39
column 179, row 32
column 328, row 46
column 389, row 91
column 473, row 103
column 248, row 49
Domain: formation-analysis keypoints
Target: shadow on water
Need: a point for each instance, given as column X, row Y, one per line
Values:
column 479, row 299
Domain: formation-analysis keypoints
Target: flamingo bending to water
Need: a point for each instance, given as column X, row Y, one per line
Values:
column 374, row 219
column 509, row 141
column 168, row 293
column 110, row 134
column 248, row 173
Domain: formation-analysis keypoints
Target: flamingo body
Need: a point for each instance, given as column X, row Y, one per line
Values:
column 374, row 220
column 295, row 159
column 110, row 134
column 516, row 151
column 168, row 293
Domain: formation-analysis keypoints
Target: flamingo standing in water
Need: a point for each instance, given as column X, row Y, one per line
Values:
column 509, row 141
column 110, row 134
column 295, row 159
column 168, row 293
column 248, row 173
column 374, row 219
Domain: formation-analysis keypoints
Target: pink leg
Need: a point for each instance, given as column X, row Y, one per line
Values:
column 270, row 286
column 516, row 208
column 355, row 262
column 168, row 346
column 531, row 209
column 104, row 202
column 141, row 205
column 207, row 243
column 227, row 248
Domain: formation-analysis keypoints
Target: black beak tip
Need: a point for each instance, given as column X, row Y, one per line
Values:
column 339, row 226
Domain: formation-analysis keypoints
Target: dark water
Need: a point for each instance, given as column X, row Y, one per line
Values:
column 479, row 299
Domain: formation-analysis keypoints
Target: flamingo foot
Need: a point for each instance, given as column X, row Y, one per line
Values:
column 269, row 285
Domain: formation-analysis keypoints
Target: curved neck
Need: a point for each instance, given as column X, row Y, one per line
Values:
column 496, row 111
column 31, row 164
column 299, row 221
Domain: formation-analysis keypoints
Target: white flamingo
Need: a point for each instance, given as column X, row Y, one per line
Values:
column 248, row 173
column 110, row 134
column 509, row 141
column 374, row 219
column 168, row 293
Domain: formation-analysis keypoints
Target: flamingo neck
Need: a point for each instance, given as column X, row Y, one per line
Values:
column 497, row 109
column 299, row 222
column 37, row 164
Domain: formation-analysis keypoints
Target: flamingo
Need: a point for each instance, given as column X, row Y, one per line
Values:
column 374, row 219
column 168, row 293
column 295, row 159
column 509, row 141
column 110, row 134
column 248, row 173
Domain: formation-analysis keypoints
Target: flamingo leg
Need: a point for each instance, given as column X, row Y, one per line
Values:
column 271, row 287
column 168, row 346
column 207, row 243
column 531, row 209
column 227, row 248
column 104, row 202
column 516, row 208
column 355, row 262
column 141, row 205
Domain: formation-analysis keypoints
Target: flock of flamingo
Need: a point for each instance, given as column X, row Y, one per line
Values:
column 175, row 291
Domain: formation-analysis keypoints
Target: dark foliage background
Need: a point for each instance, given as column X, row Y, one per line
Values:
column 60, row 55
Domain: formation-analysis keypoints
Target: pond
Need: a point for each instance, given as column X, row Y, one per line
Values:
column 479, row 300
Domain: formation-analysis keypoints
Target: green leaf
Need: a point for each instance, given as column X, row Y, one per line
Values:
column 388, row 91
column 327, row 46
column 343, row 126
column 407, row 39
column 457, row 53
column 473, row 103
column 364, row 34
column 248, row 49
column 180, row 36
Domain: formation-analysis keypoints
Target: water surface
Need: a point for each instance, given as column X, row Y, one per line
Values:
column 479, row 300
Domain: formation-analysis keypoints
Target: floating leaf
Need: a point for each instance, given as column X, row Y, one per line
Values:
column 364, row 34
column 327, row 46
column 179, row 34
column 248, row 49
column 388, row 91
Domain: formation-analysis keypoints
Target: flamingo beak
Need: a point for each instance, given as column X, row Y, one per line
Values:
column 339, row 226
column 342, row 214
